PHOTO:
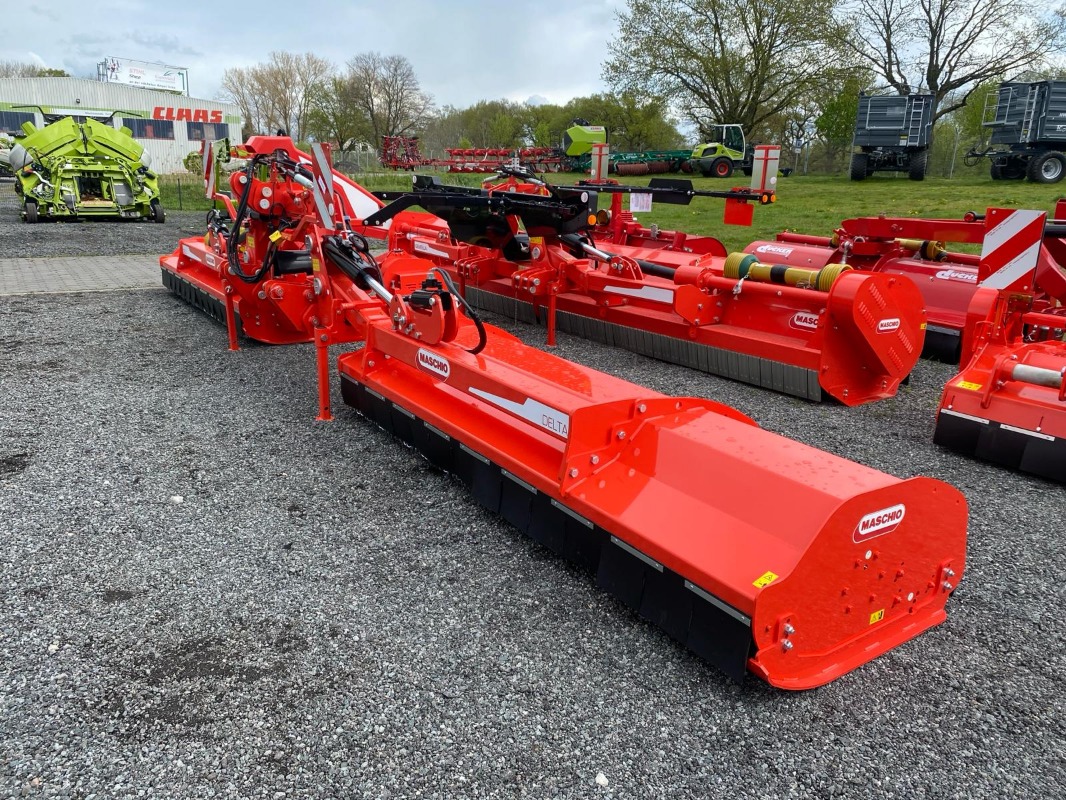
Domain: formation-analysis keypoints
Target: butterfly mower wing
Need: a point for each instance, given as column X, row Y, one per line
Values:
column 661, row 498
column 812, row 333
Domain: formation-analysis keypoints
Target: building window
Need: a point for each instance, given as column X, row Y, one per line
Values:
column 150, row 128
column 11, row 121
column 209, row 131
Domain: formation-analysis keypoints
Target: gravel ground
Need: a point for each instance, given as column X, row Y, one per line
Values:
column 205, row 593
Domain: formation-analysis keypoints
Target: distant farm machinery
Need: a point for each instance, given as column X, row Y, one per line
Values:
column 71, row 170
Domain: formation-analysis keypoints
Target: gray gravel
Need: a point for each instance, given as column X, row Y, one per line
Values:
column 205, row 593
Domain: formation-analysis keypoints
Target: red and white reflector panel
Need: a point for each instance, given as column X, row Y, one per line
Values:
column 1011, row 248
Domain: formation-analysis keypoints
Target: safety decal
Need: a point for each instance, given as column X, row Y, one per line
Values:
column 764, row 580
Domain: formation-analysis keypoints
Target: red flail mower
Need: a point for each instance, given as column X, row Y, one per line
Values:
column 1008, row 403
column 812, row 332
column 657, row 496
column 999, row 315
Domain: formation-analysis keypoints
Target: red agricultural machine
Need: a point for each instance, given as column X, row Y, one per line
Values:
column 1000, row 313
column 659, row 497
column 813, row 333
column 915, row 248
column 1008, row 403
column 403, row 152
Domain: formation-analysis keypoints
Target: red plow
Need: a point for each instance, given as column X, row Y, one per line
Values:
column 403, row 152
column 658, row 497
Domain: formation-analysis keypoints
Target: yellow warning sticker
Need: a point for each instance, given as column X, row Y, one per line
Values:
column 764, row 580
column 275, row 236
column 922, row 326
column 877, row 616
column 973, row 387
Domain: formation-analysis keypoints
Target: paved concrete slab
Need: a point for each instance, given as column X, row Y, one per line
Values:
column 81, row 274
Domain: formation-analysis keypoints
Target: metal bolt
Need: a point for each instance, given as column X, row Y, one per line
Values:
column 947, row 586
column 787, row 645
column 789, row 630
column 262, row 295
column 949, row 572
column 641, row 408
column 323, row 338
column 573, row 473
column 595, row 459
column 621, row 435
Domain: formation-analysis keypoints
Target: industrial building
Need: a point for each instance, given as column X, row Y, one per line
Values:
column 168, row 125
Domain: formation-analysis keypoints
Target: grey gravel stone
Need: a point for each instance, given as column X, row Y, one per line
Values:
column 326, row 616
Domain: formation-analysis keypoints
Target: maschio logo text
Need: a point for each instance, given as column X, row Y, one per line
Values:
column 434, row 364
column 879, row 523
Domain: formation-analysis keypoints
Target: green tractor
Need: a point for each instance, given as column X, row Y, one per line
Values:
column 72, row 170
column 728, row 151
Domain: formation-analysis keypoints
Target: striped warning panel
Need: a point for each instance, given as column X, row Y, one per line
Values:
column 1011, row 249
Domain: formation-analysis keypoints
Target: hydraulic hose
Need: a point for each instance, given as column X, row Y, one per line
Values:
column 647, row 267
column 470, row 312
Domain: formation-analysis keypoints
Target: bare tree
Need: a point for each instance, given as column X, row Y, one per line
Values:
column 948, row 47
column 387, row 91
column 21, row 69
column 739, row 61
column 278, row 94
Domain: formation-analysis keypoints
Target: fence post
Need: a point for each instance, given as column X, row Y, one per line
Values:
column 180, row 206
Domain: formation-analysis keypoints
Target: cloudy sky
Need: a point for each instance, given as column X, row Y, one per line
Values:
column 462, row 50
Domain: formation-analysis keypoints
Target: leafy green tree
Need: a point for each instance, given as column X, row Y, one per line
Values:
column 336, row 115
column 835, row 125
column 720, row 61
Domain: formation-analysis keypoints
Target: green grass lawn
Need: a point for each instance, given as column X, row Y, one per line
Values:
column 806, row 204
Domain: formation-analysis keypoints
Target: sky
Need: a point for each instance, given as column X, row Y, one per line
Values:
column 462, row 50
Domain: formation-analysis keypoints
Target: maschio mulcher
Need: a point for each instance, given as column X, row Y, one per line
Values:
column 661, row 498
column 823, row 332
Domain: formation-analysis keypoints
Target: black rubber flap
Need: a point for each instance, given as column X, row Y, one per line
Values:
column 990, row 441
column 715, row 631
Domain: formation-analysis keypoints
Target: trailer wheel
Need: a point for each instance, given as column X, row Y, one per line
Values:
column 859, row 166
column 722, row 167
column 157, row 212
column 1014, row 169
column 31, row 211
column 1047, row 167
column 996, row 171
column 918, row 165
